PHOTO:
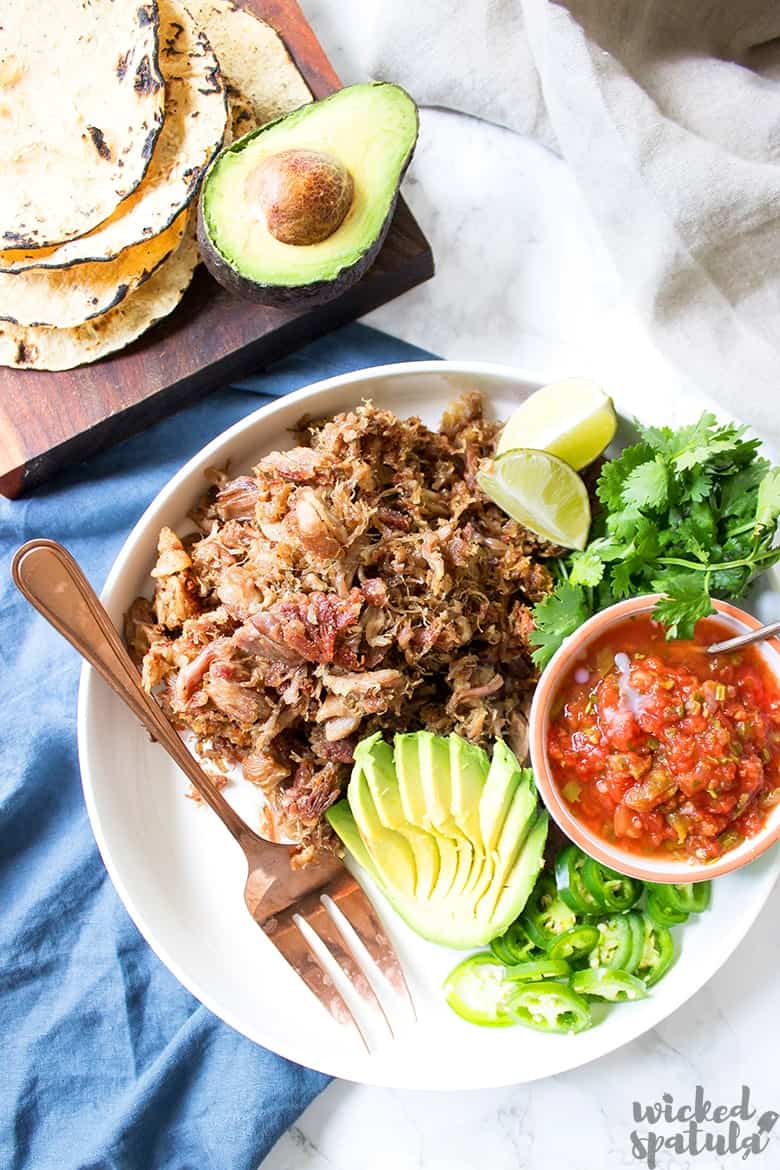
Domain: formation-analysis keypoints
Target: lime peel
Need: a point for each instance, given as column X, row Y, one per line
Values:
column 541, row 492
column 573, row 419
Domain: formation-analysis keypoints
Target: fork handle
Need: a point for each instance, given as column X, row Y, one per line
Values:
column 50, row 579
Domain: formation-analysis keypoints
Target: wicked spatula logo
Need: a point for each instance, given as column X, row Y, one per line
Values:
column 700, row 1126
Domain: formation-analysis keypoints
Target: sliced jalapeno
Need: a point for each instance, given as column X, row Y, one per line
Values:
column 546, row 915
column 477, row 991
column 603, row 983
column 636, row 926
column 514, row 946
column 538, row 969
column 657, row 952
column 663, row 909
column 549, row 1007
column 615, row 943
column 692, row 898
column 571, row 884
column 615, row 891
column 575, row 943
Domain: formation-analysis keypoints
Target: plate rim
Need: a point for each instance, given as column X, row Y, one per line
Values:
column 294, row 1050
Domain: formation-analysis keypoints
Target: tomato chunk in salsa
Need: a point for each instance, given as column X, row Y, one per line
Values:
column 663, row 748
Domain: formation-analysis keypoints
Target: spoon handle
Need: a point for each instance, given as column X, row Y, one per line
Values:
column 54, row 584
column 759, row 635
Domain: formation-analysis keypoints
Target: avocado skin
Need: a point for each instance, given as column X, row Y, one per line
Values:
column 279, row 296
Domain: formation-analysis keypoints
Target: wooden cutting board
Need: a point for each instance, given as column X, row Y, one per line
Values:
column 50, row 419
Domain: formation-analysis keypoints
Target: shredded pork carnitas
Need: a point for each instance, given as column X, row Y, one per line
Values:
column 357, row 583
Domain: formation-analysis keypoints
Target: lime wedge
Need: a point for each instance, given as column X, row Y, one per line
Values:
column 573, row 419
column 542, row 493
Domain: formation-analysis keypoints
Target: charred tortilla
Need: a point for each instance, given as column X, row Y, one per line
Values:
column 70, row 152
column 39, row 348
column 261, row 78
column 70, row 296
column 195, row 116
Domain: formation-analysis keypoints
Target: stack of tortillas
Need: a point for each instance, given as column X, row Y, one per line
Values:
column 110, row 114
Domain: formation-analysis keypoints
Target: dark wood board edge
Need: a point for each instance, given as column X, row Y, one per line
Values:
column 378, row 287
column 288, row 18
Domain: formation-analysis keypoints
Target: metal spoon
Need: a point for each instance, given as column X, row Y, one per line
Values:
column 759, row 635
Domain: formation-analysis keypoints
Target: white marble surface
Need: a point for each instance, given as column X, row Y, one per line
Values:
column 523, row 278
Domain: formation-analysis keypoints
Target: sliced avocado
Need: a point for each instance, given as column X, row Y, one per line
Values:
column 297, row 210
column 447, row 923
column 503, row 779
column 407, row 758
column 469, row 767
column 375, row 757
column 522, row 878
column 389, row 850
column 461, row 917
column 500, row 786
column 415, row 805
column 435, row 777
column 438, row 922
column 516, row 828
column 343, row 823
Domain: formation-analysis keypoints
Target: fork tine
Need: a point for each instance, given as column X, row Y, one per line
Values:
column 283, row 932
column 338, row 945
column 356, row 907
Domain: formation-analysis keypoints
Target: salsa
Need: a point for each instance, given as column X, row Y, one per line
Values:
column 662, row 748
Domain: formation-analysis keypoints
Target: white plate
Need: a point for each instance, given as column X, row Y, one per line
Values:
column 181, row 876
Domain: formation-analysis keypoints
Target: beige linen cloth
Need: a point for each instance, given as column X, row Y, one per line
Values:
column 667, row 113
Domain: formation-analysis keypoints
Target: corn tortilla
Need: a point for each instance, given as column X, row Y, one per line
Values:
column 81, row 107
column 194, row 129
column 39, row 348
column 70, row 296
column 262, row 80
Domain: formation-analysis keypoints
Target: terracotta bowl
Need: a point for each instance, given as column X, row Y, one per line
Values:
column 651, row 868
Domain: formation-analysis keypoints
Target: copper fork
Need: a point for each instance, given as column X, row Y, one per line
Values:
column 277, row 896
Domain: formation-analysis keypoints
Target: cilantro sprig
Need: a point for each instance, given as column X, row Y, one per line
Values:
column 690, row 513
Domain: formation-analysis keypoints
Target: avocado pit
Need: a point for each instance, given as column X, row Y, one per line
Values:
column 304, row 195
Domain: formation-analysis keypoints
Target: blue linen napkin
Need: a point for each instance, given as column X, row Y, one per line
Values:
column 106, row 1061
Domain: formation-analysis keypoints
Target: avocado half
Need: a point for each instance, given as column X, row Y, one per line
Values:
column 297, row 210
column 454, row 840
